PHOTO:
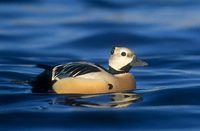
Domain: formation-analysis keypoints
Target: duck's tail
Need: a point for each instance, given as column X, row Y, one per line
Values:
column 42, row 83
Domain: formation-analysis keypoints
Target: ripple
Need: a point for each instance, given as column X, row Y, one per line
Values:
column 176, row 96
column 165, row 33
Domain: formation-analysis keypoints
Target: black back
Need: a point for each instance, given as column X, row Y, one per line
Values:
column 74, row 70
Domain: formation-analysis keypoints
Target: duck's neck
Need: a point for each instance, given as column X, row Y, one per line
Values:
column 124, row 69
column 114, row 72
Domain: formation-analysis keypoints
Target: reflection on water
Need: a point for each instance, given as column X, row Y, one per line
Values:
column 114, row 100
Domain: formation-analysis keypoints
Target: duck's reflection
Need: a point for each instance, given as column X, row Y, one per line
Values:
column 114, row 100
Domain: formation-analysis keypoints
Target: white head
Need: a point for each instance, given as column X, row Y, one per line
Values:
column 123, row 59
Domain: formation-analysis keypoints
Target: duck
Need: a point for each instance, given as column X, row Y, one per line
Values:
column 90, row 78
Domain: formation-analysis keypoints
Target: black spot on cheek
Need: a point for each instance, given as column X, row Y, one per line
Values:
column 110, row 86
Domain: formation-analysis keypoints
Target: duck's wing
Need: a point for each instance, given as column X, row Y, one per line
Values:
column 73, row 70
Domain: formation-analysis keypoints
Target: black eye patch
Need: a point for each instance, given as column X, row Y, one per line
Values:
column 123, row 54
column 112, row 51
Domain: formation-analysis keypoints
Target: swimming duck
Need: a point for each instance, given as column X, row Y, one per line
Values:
column 89, row 78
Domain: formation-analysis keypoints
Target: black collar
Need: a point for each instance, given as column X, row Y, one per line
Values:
column 124, row 69
column 114, row 72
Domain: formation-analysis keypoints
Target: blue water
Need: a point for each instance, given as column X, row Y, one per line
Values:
column 165, row 33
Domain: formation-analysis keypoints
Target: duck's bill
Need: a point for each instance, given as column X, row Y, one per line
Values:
column 138, row 62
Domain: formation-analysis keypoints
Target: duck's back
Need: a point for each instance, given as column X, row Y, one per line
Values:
column 74, row 69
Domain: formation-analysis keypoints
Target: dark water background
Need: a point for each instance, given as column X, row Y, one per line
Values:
column 163, row 32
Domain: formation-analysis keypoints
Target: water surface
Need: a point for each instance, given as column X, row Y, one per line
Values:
column 165, row 33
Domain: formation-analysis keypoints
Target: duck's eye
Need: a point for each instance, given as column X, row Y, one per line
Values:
column 112, row 51
column 123, row 54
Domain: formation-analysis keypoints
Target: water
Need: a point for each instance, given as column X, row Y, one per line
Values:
column 165, row 33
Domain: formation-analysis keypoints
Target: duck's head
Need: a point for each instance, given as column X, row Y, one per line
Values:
column 122, row 60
